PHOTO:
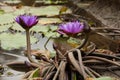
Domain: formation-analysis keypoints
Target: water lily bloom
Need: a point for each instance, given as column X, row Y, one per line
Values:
column 26, row 21
column 71, row 28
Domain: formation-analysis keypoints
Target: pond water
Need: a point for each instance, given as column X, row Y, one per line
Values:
column 17, row 55
column 8, row 73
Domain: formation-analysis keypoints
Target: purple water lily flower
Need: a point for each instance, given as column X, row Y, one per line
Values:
column 26, row 21
column 71, row 28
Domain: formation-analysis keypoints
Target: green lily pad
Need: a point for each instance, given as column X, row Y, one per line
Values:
column 48, row 31
column 6, row 19
column 6, row 9
column 55, row 2
column 14, row 41
column 23, row 10
column 4, row 27
column 40, row 28
column 2, row 11
column 49, row 20
column 52, row 34
column 46, row 11
column 17, row 27
column 37, row 28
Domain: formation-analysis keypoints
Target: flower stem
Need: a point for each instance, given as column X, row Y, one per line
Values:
column 80, row 46
column 84, row 42
column 29, row 46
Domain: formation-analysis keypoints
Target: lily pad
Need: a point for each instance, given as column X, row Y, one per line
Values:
column 14, row 41
column 54, row 2
column 4, row 28
column 49, row 20
column 52, row 34
column 6, row 9
column 6, row 19
column 17, row 27
column 37, row 28
column 40, row 28
column 22, row 10
column 2, row 11
column 48, row 31
column 46, row 11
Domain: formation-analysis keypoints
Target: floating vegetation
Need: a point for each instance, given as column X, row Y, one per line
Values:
column 11, row 41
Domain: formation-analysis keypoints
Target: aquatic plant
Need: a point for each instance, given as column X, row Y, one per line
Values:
column 74, row 64
column 27, row 22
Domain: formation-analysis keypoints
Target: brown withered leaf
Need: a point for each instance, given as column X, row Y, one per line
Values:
column 89, row 79
column 103, row 42
column 39, row 53
column 104, row 51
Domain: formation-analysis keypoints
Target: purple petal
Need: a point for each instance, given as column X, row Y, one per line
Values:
column 71, row 28
column 26, row 21
column 17, row 20
column 60, row 31
column 32, row 21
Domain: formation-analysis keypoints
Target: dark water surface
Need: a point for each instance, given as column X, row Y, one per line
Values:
column 8, row 73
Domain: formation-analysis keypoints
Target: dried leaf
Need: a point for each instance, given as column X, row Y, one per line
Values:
column 90, row 79
column 39, row 53
column 104, row 51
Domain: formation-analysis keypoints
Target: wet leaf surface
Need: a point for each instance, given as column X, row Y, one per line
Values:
column 39, row 53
